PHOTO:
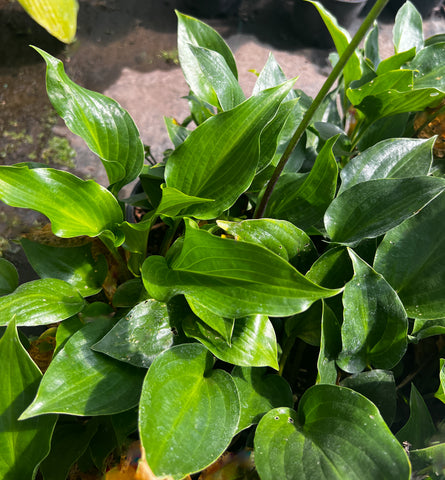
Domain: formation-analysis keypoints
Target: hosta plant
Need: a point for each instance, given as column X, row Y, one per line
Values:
column 281, row 296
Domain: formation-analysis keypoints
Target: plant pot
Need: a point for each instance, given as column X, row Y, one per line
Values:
column 309, row 25
column 425, row 7
column 211, row 8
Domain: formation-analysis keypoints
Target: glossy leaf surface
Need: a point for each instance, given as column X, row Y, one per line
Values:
column 420, row 282
column 74, row 265
column 330, row 347
column 106, row 127
column 440, row 394
column 230, row 278
column 427, row 328
column 369, row 209
column 58, row 17
column 259, row 392
column 75, row 207
column 218, row 160
column 140, row 336
column 9, row 277
column 188, row 412
column 336, row 434
column 408, row 30
column 80, row 381
column 252, row 344
column 429, row 67
column 375, row 325
column 23, row 444
column 41, row 302
column 393, row 158
column 430, row 460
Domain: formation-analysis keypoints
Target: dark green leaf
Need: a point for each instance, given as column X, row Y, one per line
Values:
column 279, row 236
column 230, row 278
column 188, row 412
column 393, row 158
column 412, row 259
column 379, row 387
column 218, row 160
column 106, row 127
column 333, row 269
column 41, row 302
column 371, row 46
column 330, row 347
column 306, row 325
column 253, row 342
column 408, row 29
column 420, row 427
column 75, row 207
column 427, row 328
column 9, row 277
column 80, row 381
column 429, row 460
column 374, row 329
column 74, row 265
column 336, row 434
column 139, row 337
column 305, row 205
column 259, row 393
column 23, row 444
column 371, row 208
column 440, row 394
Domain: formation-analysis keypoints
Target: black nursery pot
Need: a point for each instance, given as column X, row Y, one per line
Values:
column 425, row 7
column 211, row 8
column 309, row 26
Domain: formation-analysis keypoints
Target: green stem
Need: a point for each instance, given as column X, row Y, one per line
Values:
column 168, row 238
column 336, row 72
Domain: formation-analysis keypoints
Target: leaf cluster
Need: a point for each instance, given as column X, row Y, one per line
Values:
column 300, row 320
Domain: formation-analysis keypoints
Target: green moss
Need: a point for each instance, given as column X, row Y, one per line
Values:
column 58, row 151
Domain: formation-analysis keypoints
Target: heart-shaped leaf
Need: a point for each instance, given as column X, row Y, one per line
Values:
column 253, row 342
column 58, row 17
column 229, row 277
column 23, row 444
column 75, row 207
column 259, row 392
column 9, row 277
column 41, row 302
column 375, row 325
column 188, row 412
column 336, row 434
column 139, row 337
column 79, row 381
column 74, row 265
column 106, row 127
column 369, row 209
column 412, row 259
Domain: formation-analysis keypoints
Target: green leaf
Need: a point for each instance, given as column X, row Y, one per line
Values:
column 230, row 279
column 340, row 36
column 140, row 336
column 75, row 207
column 192, row 32
column 408, row 29
column 41, row 302
column 429, row 67
column 393, row 158
column 188, row 412
column 9, row 277
column 330, row 347
column 80, row 381
column 429, row 460
column 333, row 269
column 173, row 202
column 427, row 328
column 412, row 259
column 379, row 387
column 374, row 329
column 371, row 46
column 23, row 444
column 106, row 127
column 253, row 342
column 270, row 76
column 221, row 79
column 68, row 444
column 440, row 394
column 306, row 325
column 396, row 61
column 218, row 160
column 74, row 265
column 336, row 434
column 259, row 392
column 177, row 133
column 371, row 208
column 420, row 427
column 58, row 17
column 305, row 205
column 279, row 236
